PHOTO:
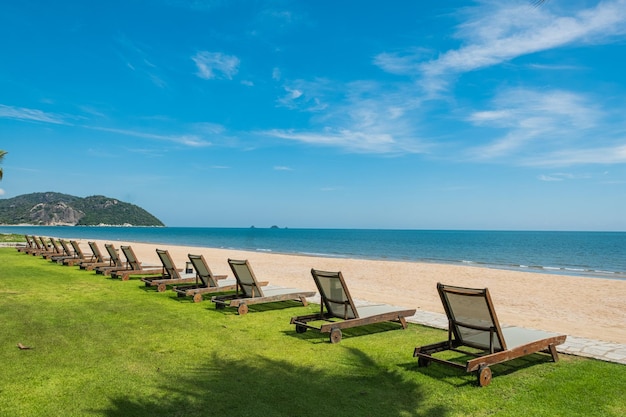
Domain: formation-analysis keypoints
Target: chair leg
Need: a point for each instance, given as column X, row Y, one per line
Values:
column 554, row 353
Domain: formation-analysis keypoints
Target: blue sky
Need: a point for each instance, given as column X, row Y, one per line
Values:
column 347, row 114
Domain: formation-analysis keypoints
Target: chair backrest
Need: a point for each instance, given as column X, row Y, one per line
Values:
column 334, row 293
column 203, row 272
column 471, row 317
column 29, row 241
column 56, row 247
column 37, row 242
column 77, row 250
column 114, row 257
column 66, row 249
column 131, row 258
column 169, row 269
column 96, row 251
column 40, row 243
column 246, row 281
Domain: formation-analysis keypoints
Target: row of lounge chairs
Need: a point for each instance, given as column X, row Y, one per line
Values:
column 473, row 327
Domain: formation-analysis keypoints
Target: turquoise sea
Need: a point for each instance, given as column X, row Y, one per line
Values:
column 590, row 254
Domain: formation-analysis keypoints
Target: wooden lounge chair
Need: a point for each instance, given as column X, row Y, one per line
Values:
column 473, row 324
column 207, row 282
column 34, row 244
column 79, row 255
column 249, row 290
column 30, row 244
column 97, row 260
column 341, row 312
column 68, row 253
column 170, row 276
column 55, row 251
column 115, row 262
column 42, row 247
column 134, row 267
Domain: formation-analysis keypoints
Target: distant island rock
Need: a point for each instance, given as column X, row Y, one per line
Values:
column 56, row 209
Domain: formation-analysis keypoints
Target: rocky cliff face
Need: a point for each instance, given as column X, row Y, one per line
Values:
column 55, row 214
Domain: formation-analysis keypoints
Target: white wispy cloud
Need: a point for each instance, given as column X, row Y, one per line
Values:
column 207, row 128
column 602, row 155
column 361, row 117
column 529, row 108
column 306, row 95
column 550, row 178
column 350, row 140
column 555, row 67
column 92, row 111
column 185, row 139
column 215, row 65
column 146, row 152
column 32, row 115
column 562, row 176
column 535, row 120
column 406, row 62
column 549, row 128
column 199, row 132
column 135, row 57
column 282, row 168
column 495, row 32
column 524, row 125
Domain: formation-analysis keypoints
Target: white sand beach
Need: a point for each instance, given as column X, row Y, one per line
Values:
column 592, row 308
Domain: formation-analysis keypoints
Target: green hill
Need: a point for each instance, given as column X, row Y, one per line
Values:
column 50, row 209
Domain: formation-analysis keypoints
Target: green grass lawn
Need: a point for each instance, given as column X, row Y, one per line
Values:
column 103, row 347
column 12, row 237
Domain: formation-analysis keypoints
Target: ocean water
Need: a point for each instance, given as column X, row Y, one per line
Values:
column 590, row 254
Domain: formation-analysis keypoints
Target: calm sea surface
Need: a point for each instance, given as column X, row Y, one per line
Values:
column 591, row 254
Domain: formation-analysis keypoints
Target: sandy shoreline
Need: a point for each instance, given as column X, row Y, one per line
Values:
column 592, row 308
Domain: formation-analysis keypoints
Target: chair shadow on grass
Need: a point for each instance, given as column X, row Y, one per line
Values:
column 313, row 335
column 259, row 308
column 458, row 377
column 260, row 386
column 147, row 288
